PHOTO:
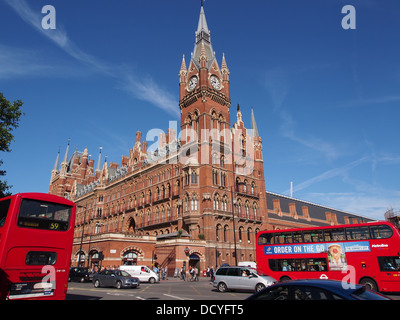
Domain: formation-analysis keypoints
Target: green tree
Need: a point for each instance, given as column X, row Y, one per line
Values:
column 10, row 114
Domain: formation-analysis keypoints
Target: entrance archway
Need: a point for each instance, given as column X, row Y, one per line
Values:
column 94, row 260
column 194, row 261
column 130, row 258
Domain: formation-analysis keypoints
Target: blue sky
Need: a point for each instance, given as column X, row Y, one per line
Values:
column 326, row 99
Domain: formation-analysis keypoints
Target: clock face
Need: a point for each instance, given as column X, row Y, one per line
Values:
column 192, row 83
column 215, row 82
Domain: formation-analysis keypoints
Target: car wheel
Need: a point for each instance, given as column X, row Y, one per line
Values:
column 222, row 287
column 259, row 287
column 97, row 284
column 119, row 285
column 82, row 280
column 152, row 280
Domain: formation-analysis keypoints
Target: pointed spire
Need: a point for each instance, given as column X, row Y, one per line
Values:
column 253, row 124
column 183, row 70
column 239, row 114
column 202, row 25
column 98, row 168
column 65, row 160
column 203, row 37
column 224, row 66
column 57, row 163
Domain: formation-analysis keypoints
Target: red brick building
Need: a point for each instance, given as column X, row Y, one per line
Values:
column 196, row 200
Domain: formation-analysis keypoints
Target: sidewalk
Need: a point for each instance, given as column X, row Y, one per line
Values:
column 172, row 279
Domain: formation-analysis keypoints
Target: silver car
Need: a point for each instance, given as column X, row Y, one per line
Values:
column 241, row 278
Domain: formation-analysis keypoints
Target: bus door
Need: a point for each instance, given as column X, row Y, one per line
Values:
column 390, row 273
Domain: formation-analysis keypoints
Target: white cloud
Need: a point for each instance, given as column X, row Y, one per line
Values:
column 146, row 90
column 277, row 84
column 339, row 171
column 367, row 199
column 16, row 62
column 329, row 151
column 360, row 203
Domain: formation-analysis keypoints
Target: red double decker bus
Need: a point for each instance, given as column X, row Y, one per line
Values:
column 36, row 232
column 366, row 253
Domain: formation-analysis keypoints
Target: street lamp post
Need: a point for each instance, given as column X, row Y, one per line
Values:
column 83, row 230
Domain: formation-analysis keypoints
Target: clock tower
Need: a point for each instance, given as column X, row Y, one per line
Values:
column 222, row 166
column 204, row 87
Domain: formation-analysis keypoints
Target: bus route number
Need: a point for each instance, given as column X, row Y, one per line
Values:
column 54, row 226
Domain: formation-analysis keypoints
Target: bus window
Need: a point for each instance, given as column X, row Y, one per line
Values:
column 4, row 205
column 389, row 263
column 334, row 234
column 266, row 238
column 305, row 265
column 313, row 236
column 297, row 237
column 285, row 237
column 357, row 233
column 317, row 264
column 381, row 231
column 44, row 215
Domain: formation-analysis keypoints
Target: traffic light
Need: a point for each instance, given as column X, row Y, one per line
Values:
column 155, row 257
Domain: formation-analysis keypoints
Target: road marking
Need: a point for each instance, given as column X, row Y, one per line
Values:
column 195, row 289
column 175, row 297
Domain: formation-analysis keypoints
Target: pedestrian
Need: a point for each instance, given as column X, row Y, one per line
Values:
column 183, row 274
column 211, row 273
column 191, row 271
column 196, row 274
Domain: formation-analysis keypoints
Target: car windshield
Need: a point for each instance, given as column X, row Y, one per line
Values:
column 124, row 273
column 257, row 272
column 366, row 294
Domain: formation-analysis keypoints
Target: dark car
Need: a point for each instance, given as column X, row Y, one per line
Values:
column 317, row 290
column 115, row 278
column 80, row 274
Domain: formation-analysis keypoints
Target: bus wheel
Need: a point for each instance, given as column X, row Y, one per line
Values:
column 284, row 278
column 369, row 283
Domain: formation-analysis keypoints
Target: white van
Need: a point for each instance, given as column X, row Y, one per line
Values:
column 144, row 273
column 250, row 264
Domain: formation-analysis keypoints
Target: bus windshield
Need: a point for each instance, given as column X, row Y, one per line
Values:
column 44, row 215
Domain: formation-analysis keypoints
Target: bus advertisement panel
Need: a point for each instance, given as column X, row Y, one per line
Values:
column 364, row 253
column 36, row 232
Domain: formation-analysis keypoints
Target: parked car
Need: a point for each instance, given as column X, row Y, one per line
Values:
column 80, row 274
column 241, row 278
column 115, row 278
column 316, row 290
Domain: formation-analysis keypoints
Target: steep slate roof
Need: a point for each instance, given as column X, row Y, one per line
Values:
column 316, row 212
